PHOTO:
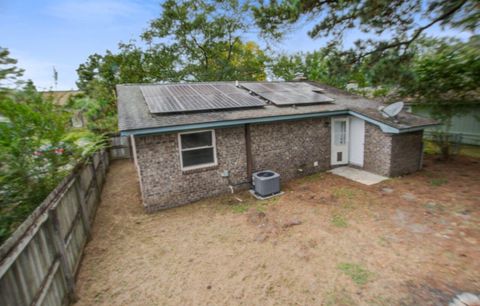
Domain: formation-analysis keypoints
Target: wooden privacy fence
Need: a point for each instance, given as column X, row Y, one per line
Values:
column 120, row 147
column 39, row 261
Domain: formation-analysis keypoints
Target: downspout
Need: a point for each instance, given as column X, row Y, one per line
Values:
column 248, row 148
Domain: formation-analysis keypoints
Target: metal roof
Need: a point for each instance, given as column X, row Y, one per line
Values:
column 288, row 93
column 177, row 98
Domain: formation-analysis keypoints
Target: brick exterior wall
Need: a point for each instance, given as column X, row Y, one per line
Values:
column 392, row 155
column 284, row 147
column 165, row 185
column 377, row 150
column 407, row 153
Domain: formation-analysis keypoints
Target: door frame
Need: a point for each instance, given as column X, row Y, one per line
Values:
column 346, row 146
column 359, row 143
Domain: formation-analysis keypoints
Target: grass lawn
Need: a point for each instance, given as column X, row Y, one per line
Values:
column 413, row 240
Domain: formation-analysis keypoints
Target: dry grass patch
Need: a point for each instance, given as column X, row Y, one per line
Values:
column 326, row 241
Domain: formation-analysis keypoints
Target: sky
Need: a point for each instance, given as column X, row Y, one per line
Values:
column 43, row 34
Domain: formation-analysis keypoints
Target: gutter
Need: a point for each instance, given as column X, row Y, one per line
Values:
column 229, row 123
column 237, row 122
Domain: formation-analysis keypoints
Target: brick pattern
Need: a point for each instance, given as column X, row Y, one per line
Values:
column 284, row 147
column 287, row 147
column 407, row 151
column 377, row 150
column 392, row 155
column 165, row 185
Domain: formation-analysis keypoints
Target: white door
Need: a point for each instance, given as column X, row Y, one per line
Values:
column 339, row 141
column 357, row 141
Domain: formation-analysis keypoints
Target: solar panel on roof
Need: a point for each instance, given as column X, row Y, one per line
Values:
column 288, row 93
column 174, row 98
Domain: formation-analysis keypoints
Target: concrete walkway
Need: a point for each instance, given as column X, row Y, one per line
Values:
column 359, row 176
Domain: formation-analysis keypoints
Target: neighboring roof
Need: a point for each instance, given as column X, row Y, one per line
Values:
column 60, row 97
column 135, row 117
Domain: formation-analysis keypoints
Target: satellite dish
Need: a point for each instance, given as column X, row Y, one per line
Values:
column 391, row 110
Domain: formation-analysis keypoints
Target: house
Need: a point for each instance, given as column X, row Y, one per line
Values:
column 62, row 98
column 463, row 128
column 192, row 141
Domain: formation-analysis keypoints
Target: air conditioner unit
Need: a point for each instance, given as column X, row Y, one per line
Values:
column 266, row 183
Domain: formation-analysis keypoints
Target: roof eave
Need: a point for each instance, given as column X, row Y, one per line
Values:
column 231, row 123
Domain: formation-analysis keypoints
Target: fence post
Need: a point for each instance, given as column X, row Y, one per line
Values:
column 59, row 244
column 130, row 146
column 94, row 175
column 82, row 206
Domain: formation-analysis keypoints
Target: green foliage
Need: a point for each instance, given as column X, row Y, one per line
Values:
column 9, row 72
column 339, row 221
column 344, row 193
column 100, row 114
column 240, row 208
column 357, row 273
column 327, row 65
column 397, row 19
column 438, row 182
column 205, row 38
column 446, row 77
column 36, row 151
column 190, row 41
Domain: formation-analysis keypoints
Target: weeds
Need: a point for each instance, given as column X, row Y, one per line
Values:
column 357, row 273
column 344, row 192
column 338, row 298
column 240, row 208
column 249, row 202
column 339, row 221
column 383, row 241
column 438, row 182
column 311, row 178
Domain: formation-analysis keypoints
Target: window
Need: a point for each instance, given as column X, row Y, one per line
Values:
column 340, row 132
column 197, row 149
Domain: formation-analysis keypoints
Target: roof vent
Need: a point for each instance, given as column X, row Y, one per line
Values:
column 266, row 183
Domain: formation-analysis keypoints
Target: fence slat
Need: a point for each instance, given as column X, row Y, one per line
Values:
column 60, row 248
column 38, row 262
column 83, row 209
column 120, row 147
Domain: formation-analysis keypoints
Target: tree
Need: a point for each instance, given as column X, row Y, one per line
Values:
column 32, row 154
column 327, row 65
column 9, row 72
column 37, row 148
column 190, row 41
column 396, row 19
column 206, row 37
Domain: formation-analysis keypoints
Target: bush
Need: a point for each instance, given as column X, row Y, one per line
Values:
column 37, row 150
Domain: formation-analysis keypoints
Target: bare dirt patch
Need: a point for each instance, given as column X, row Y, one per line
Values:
column 326, row 241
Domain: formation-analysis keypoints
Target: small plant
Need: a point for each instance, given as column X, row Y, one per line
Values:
column 438, row 182
column 383, row 241
column 344, row 192
column 240, row 208
column 261, row 208
column 357, row 273
column 312, row 178
column 338, row 298
column 339, row 221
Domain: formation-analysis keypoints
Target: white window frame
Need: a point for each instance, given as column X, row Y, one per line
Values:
column 181, row 150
